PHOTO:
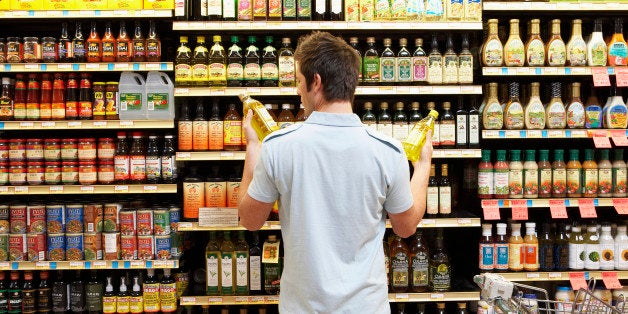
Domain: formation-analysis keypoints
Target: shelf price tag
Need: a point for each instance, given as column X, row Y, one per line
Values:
column 401, row 297
column 87, row 189
column 137, row 264
column 26, row 125
column 600, row 76
column 464, row 221
column 272, row 299
column 121, row 189
column 48, row 124
column 437, row 296
column 555, row 275
column 519, row 209
column 619, row 137
column 490, row 209
column 428, row 222
column 621, row 205
column 188, row 300
column 601, row 142
column 621, row 76
column 587, row 209
column 185, row 226
column 610, row 280
column 150, row 188
column 558, row 209
column 577, row 281
column 184, row 156
column 256, row 300
column 241, row 300
column 42, row 265
column 99, row 264
column 126, row 123
column 215, row 300
column 20, row 190
column 77, row 265
column 226, row 156
column 75, row 124
column 4, row 190
column 533, row 275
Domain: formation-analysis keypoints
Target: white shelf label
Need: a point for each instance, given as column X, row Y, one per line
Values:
column 555, row 275
column 92, row 66
column 121, row 188
column 100, row 124
column 150, row 188
column 99, row 264
column 26, row 125
column 87, row 189
column 64, row 66
column 56, row 189
column 532, row 275
column 21, row 190
column 75, row 124
column 48, row 124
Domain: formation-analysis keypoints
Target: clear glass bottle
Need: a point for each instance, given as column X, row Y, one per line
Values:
column 535, row 48
column 555, row 113
column 217, row 64
column 575, row 109
column 200, row 69
column 513, row 113
column 404, row 63
column 514, row 50
column 576, row 47
column 450, row 63
column 270, row 69
column 370, row 63
column 286, row 68
column 556, row 51
column 465, row 62
column 419, row 63
column 492, row 49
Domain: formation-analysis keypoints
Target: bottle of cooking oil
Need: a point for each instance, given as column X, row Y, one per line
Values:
column 262, row 122
column 416, row 138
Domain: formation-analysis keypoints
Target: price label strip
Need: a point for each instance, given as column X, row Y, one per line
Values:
column 600, row 77
column 621, row 205
column 519, row 209
column 577, row 281
column 621, row 76
column 558, row 209
column 619, row 137
column 587, row 209
column 491, row 210
column 600, row 139
column 610, row 280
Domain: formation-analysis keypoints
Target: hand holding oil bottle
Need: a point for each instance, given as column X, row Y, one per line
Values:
column 413, row 144
column 262, row 122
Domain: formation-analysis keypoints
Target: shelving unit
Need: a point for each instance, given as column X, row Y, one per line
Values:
column 116, row 264
column 86, row 67
column 536, row 134
column 323, row 25
column 559, row 276
column 86, row 124
column 545, row 202
column 554, row 6
column 64, row 14
column 88, row 189
column 549, row 71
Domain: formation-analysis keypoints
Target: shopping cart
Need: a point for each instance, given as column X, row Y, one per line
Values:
column 508, row 298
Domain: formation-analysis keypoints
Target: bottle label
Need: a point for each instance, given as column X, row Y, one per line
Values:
column 212, row 273
column 444, row 200
column 200, row 135
column 270, row 71
column 590, row 182
column 515, row 256
column 465, row 69
column 242, row 271
column 185, row 129
column 235, row 72
column 575, row 115
column 371, row 69
column 592, row 255
column 226, row 268
column 531, row 182
column 400, row 130
column 183, row 72
column 531, row 255
column 233, row 133
column 501, row 182
column 157, row 101
column 419, row 66
column 28, row 301
column 501, row 256
column 286, row 69
column 44, row 299
column 598, row 54
column 78, row 48
column 435, row 70
column 607, row 255
column 387, row 69
column 593, row 117
column 93, row 50
column 617, row 53
column 536, row 53
column 200, row 72
column 545, row 181
column 136, row 304
column 151, row 297
column 153, row 167
column 447, row 134
column 515, row 182
column 493, row 116
column 619, row 180
column 576, row 52
column 450, row 70
column 556, row 53
column 385, row 128
column 130, row 101
column 216, row 135
column 122, row 48
column 474, row 129
column 93, row 297
column 556, row 116
column 122, row 167
column 432, row 200
column 605, row 181
column 576, row 255
column 461, row 129
column 535, row 116
column 436, row 135
column 559, row 181
column 420, row 269
column 255, row 272
column 122, row 304
column 441, row 277
column 259, row 8
column 400, row 270
column 139, row 49
column 138, row 168
column 514, row 53
column 168, row 297
column 252, row 72
column 573, row 181
column 487, row 257
column 217, row 72
column 493, row 53
column 109, row 304
column 617, row 117
column 514, row 116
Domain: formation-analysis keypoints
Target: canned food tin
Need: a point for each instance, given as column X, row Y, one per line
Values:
column 74, row 218
column 18, row 218
column 128, row 223
column 55, row 218
column 128, row 247
column 36, row 247
column 17, row 247
column 161, row 222
column 74, row 246
column 5, row 226
column 92, row 246
column 175, row 217
column 145, row 247
column 111, row 245
column 56, row 247
column 36, row 219
column 4, row 247
column 111, row 215
column 176, row 242
column 145, row 222
column 93, row 217
column 163, row 247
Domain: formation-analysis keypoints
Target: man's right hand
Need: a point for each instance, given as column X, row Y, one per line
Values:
column 249, row 132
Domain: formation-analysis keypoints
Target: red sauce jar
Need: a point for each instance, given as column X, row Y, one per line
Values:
column 34, row 149
column 35, row 173
column 106, row 172
column 88, row 173
column 17, row 149
column 87, row 149
column 17, row 173
column 4, row 173
column 69, row 172
column 52, row 149
column 69, row 149
column 52, row 173
column 106, row 148
column 4, row 150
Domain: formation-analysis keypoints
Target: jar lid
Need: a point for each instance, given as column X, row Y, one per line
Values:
column 16, row 140
column 122, row 134
column 2, row 140
column 51, row 140
column 138, row 134
column 69, row 140
column 53, row 163
column 87, row 163
column 35, row 163
column 31, row 38
column 17, row 163
column 112, row 83
column 98, row 83
column 3, row 163
column 87, row 139
column 106, row 162
column 69, row 163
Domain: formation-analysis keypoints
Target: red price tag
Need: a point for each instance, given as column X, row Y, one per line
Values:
column 519, row 209
column 619, row 137
column 621, row 76
column 610, row 280
column 491, row 210
column 587, row 209
column 601, row 142
column 600, row 76
column 577, row 281
column 621, row 205
column 558, row 209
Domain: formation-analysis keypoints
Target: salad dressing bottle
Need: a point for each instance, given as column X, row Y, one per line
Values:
column 492, row 49
column 535, row 111
column 619, row 173
column 574, row 174
column 492, row 114
column 555, row 111
column 575, row 109
column 605, row 175
column 576, row 47
column 576, row 249
column 596, row 47
column 515, row 174
column 514, row 50
column 593, row 112
column 559, row 174
column 535, row 48
column 589, row 174
column 555, row 50
column 617, row 49
column 515, row 248
column 513, row 113
column 531, row 248
column 530, row 175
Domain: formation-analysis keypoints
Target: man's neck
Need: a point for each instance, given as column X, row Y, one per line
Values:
column 335, row 107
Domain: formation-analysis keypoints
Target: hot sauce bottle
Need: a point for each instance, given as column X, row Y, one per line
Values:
column 19, row 99
column 108, row 45
column 58, row 97
column 123, row 45
column 139, row 44
column 153, row 45
column 85, row 111
column 32, row 98
column 94, row 45
column 45, row 100
column 71, row 99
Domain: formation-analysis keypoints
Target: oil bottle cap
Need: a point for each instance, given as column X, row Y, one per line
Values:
column 418, row 42
column 285, row 40
column 383, row 105
column 200, row 39
column 487, row 229
column 446, row 105
column 432, row 113
column 403, row 42
column 234, row 39
column 387, row 42
column 399, row 105
column 217, row 38
column 6, row 80
column 415, row 105
column 368, row 105
column 183, row 39
column 486, row 155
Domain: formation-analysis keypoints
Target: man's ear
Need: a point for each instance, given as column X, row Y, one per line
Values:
column 317, row 82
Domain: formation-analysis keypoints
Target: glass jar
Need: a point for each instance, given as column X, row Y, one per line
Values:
column 98, row 104
column 106, row 172
column 53, row 173
column 106, row 148
column 3, row 51
column 87, row 149
column 69, row 149
column 34, row 149
column 49, row 50
column 17, row 149
column 69, row 172
column 52, row 149
column 31, row 50
column 4, row 173
column 35, row 173
column 4, row 150
column 14, row 50
column 88, row 173
column 17, row 173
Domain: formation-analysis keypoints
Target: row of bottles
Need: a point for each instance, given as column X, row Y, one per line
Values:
column 439, row 192
column 330, row 10
column 459, row 129
column 557, row 248
column 513, row 114
column 215, row 189
column 577, row 52
column 542, row 179
column 138, row 160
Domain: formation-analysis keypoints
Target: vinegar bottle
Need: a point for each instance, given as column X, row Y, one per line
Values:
column 417, row 136
column 546, row 249
column 200, row 138
column 419, row 263
column 185, row 129
column 399, row 265
column 262, row 122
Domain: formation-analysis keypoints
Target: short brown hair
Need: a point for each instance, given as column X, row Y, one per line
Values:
column 333, row 59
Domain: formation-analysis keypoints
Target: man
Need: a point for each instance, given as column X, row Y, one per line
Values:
column 335, row 181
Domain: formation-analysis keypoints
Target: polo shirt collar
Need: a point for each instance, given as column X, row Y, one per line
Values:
column 334, row 119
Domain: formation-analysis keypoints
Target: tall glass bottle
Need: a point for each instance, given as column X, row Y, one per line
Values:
column 252, row 68
column 444, row 192
column 419, row 263
column 513, row 113
column 399, row 265
column 94, row 45
column 368, row 118
column 462, row 127
column 575, row 109
column 153, row 161
column 492, row 49
column 241, row 260
column 353, row 42
column 431, row 208
column 576, row 47
column 400, row 122
column 617, row 48
column 450, row 63
column 440, row 265
column 108, row 45
column 139, row 44
column 561, row 249
column 404, row 63
column 535, row 48
column 217, row 64
column 596, row 46
column 419, row 63
column 153, row 44
column 535, row 110
column 555, row 50
column 235, row 64
column 183, row 74
column 555, row 110
column 44, row 293
column 286, row 68
column 370, row 63
column 270, row 69
column 227, row 266
column 435, row 64
column 514, row 50
column 492, row 115
column 465, row 62
column 212, row 262
column 232, row 130
column 447, row 134
column 200, row 70
column 255, row 266
column 64, row 45
column 387, row 64
column 78, row 45
column 384, row 120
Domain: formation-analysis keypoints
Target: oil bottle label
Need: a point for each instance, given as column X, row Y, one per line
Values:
column 515, row 256
column 435, row 70
column 501, row 256
column 461, row 129
column 451, row 69
column 400, row 130
column 371, row 69
column 420, row 269
column 270, row 71
column 252, row 72
column 200, row 72
column 182, row 72
column 404, row 69
column 157, row 101
column 419, row 65
column 168, row 297
column 217, row 72
column 465, row 69
column 447, row 133
column 385, row 128
column 486, row 256
column 255, row 270
column 235, row 72
column 242, row 274
column 441, row 277
column 226, row 272
column 286, row 69
column 432, row 200
column 444, row 200
column 400, row 270
column 151, row 297
column 387, row 69
column 212, row 273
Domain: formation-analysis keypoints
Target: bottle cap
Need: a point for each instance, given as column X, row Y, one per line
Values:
column 234, row 39
column 387, row 42
column 285, row 40
column 217, row 38
column 403, row 42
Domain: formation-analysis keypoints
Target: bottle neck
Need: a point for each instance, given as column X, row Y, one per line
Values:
column 556, row 29
column 534, row 91
column 492, row 29
column 576, row 30
column 514, row 28
column 619, row 27
column 535, row 29
column 575, row 92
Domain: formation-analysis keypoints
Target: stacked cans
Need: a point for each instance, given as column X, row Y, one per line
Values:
column 148, row 234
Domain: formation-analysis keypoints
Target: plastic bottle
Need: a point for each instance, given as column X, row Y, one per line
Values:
column 589, row 174
column 487, row 249
column 159, row 96
column 574, row 174
column 616, row 112
column 416, row 138
column 515, row 175
column 515, row 248
column 167, row 293
column 559, row 174
column 605, row 175
column 619, row 173
column 500, row 175
column 262, row 122
column 530, row 175
column 122, row 301
column 485, row 176
column 150, row 292
column 592, row 249
column 109, row 298
column 576, row 248
column 607, row 249
column 132, row 96
column 501, row 248
column 531, row 248
column 621, row 248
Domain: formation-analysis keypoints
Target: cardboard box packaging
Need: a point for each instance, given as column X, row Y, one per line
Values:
column 125, row 4
column 159, row 4
column 27, row 4
column 60, row 5
column 91, row 4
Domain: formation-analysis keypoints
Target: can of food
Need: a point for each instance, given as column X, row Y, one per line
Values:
column 145, row 247
column 145, row 222
column 175, row 217
column 55, row 218
column 17, row 218
column 128, row 247
column 56, row 247
column 17, row 247
column 36, row 219
column 176, row 242
column 111, row 214
column 74, row 246
column 74, row 218
column 162, row 247
column 93, row 215
column 5, row 225
column 36, row 247
column 128, row 222
column 4, row 246
column 92, row 246
column 161, row 222
column 111, row 245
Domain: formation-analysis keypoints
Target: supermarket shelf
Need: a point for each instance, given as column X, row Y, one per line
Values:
column 575, row 133
column 88, row 189
column 545, row 202
column 527, row 71
column 240, row 155
column 323, row 25
column 274, row 299
column 360, row 90
column 48, row 14
column 117, row 264
column 86, row 124
column 558, row 276
column 86, row 67
column 275, row 225
column 554, row 6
